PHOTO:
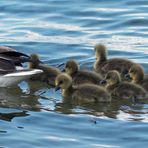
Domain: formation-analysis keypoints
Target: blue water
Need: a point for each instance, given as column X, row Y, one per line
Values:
column 59, row 30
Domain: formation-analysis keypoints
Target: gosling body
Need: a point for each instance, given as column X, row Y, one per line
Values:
column 103, row 65
column 84, row 93
column 49, row 73
column 122, row 89
column 81, row 76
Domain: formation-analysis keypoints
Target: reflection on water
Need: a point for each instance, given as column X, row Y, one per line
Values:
column 10, row 116
column 33, row 114
column 15, row 98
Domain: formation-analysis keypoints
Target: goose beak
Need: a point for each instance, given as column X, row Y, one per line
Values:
column 57, row 88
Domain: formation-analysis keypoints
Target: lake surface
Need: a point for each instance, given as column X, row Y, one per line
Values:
column 59, row 30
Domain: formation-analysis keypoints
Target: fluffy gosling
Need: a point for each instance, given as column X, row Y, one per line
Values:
column 81, row 76
column 122, row 89
column 103, row 65
column 49, row 73
column 84, row 93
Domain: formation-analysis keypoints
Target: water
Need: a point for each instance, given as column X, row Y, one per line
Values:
column 59, row 30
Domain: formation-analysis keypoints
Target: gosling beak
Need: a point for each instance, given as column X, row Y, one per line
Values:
column 57, row 88
column 63, row 70
column 125, row 72
column 102, row 82
column 127, row 76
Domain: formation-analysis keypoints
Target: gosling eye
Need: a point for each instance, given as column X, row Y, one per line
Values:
column 60, row 82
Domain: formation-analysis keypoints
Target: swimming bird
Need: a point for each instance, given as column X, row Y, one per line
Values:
column 10, row 75
column 81, row 76
column 103, row 65
column 49, row 73
column 123, row 89
column 136, row 73
column 83, row 93
column 12, row 55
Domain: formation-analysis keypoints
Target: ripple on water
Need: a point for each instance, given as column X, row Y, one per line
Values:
column 62, row 30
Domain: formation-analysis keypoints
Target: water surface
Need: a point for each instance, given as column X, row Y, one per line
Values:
column 59, row 30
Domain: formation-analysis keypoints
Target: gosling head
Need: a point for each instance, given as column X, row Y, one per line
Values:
column 63, row 81
column 112, row 77
column 100, row 52
column 71, row 67
column 34, row 61
column 136, row 73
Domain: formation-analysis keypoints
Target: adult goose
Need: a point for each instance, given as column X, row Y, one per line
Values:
column 16, row 57
column 10, row 74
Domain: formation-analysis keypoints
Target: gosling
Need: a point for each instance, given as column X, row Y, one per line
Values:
column 85, row 93
column 81, row 76
column 103, row 65
column 136, row 73
column 122, row 89
column 49, row 73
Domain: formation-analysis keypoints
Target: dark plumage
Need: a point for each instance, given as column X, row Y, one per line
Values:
column 83, row 93
column 11, row 69
column 81, row 76
column 12, row 55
